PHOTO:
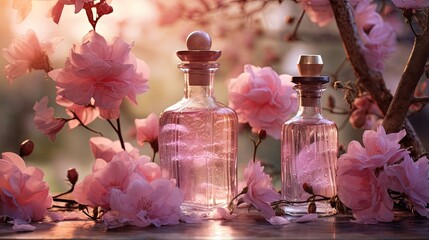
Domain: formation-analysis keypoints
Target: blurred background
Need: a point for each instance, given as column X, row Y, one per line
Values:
column 256, row 33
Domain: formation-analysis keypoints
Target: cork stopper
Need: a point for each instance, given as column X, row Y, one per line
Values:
column 199, row 44
column 310, row 67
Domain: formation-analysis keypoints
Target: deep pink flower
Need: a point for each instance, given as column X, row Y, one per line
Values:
column 106, row 149
column 86, row 114
column 411, row 4
column 95, row 190
column 27, row 53
column 378, row 36
column 147, row 129
column 144, row 203
column 412, row 178
column 366, row 114
column 102, row 72
column 361, row 180
column 262, row 98
column 45, row 121
column 260, row 192
column 23, row 193
column 57, row 10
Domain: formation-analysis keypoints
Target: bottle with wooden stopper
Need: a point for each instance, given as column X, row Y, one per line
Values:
column 198, row 135
column 309, row 144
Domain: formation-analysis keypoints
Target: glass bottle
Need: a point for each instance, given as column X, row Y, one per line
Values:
column 309, row 144
column 198, row 135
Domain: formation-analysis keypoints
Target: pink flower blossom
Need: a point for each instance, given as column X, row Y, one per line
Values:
column 23, row 193
column 95, row 190
column 260, row 192
column 57, row 10
column 45, row 121
column 366, row 114
column 86, row 114
column 102, row 72
column 411, row 4
column 144, row 203
column 106, row 149
column 412, row 178
column 148, row 130
column 319, row 11
column 378, row 36
column 361, row 180
column 262, row 98
column 27, row 53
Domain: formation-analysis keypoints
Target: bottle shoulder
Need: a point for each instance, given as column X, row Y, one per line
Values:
column 317, row 120
column 192, row 106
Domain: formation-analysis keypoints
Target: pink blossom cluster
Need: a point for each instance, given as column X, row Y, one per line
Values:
column 129, row 187
column 378, row 36
column 101, row 75
column 24, row 196
column 262, row 98
column 368, row 174
column 26, row 53
column 365, row 113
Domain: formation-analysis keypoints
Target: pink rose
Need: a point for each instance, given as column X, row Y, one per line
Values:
column 361, row 178
column 263, row 99
column 45, row 121
column 144, row 203
column 102, row 72
column 95, row 190
column 23, row 193
column 27, row 53
column 147, row 129
column 106, row 149
column 411, row 4
column 412, row 178
column 260, row 192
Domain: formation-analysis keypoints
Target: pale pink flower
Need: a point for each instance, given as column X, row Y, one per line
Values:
column 102, row 72
column 260, row 192
column 106, row 149
column 86, row 114
column 27, row 53
column 23, row 193
column 45, row 121
column 365, row 113
column 262, row 98
column 23, row 7
column 412, row 178
column 361, row 180
column 144, row 203
column 411, row 4
column 378, row 36
column 147, row 130
column 95, row 190
column 278, row 220
column 319, row 11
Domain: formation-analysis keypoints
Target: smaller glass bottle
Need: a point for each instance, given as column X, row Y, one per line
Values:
column 198, row 135
column 309, row 144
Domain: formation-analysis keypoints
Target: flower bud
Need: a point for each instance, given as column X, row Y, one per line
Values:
column 308, row 188
column 72, row 175
column 26, row 148
column 312, row 207
column 262, row 134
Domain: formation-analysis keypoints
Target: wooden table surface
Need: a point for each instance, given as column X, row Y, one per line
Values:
column 246, row 226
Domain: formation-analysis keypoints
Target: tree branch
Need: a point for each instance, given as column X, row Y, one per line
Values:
column 369, row 79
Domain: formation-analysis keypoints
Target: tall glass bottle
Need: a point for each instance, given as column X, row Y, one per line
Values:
column 198, row 135
column 309, row 143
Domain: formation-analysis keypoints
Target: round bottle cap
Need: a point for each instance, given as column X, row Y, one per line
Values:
column 199, row 44
column 310, row 67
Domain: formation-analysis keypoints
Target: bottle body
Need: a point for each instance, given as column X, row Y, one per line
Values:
column 198, row 146
column 309, row 154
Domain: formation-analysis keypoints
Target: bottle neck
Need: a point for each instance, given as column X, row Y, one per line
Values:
column 309, row 97
column 198, row 79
